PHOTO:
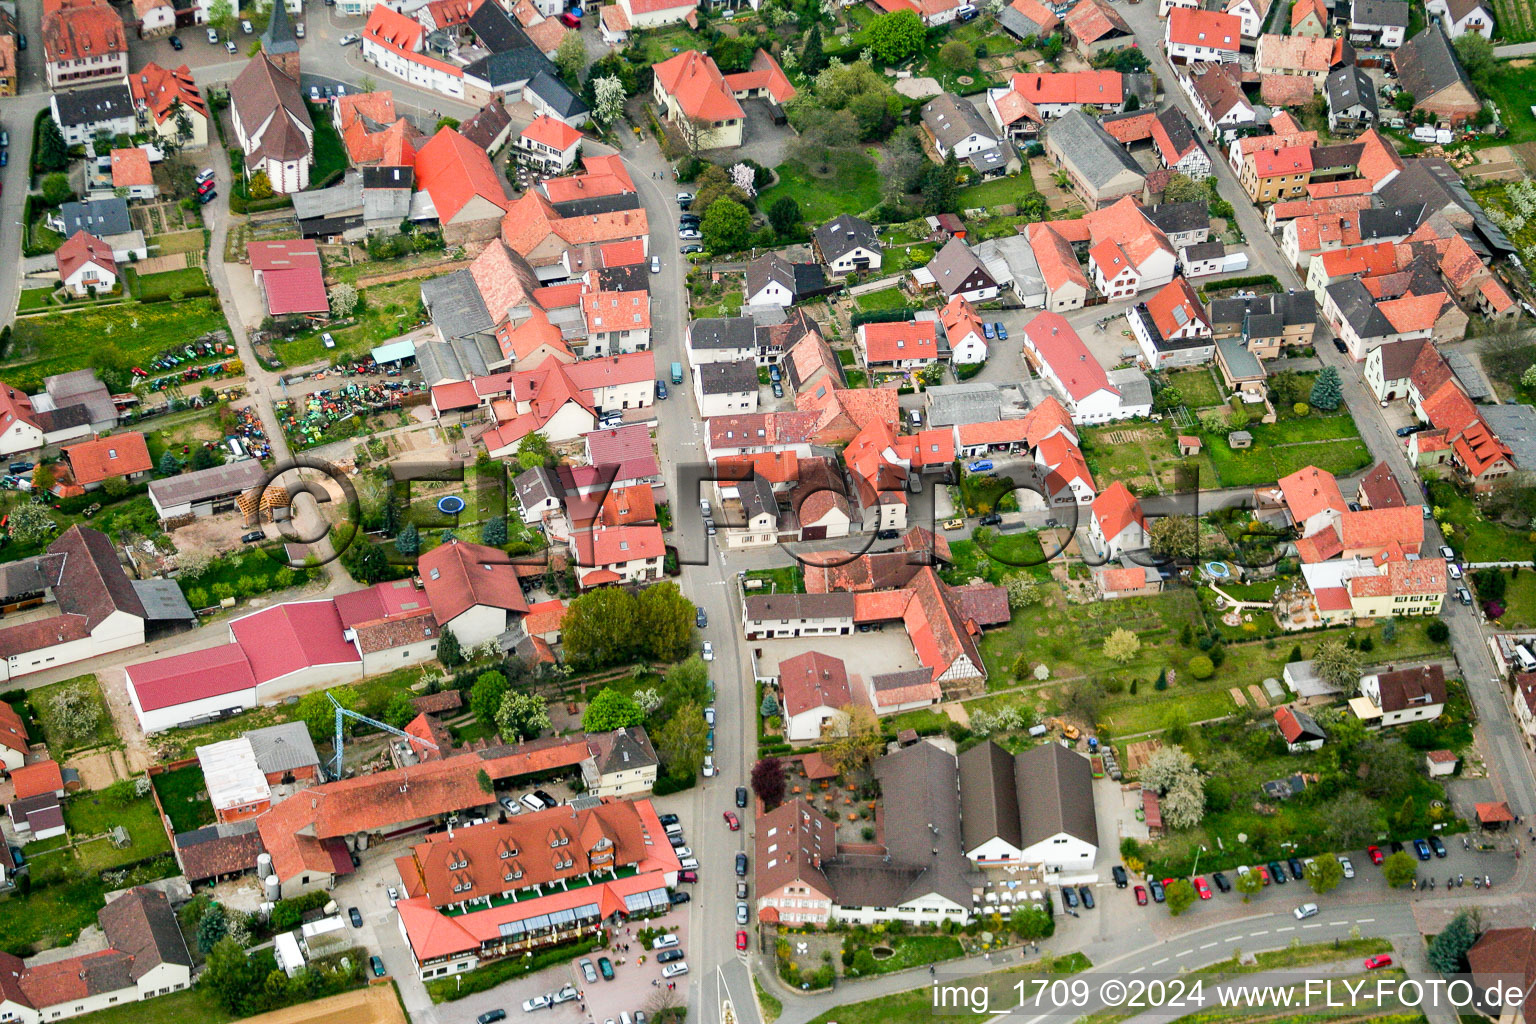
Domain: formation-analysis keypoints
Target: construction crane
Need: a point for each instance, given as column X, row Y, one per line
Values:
column 344, row 713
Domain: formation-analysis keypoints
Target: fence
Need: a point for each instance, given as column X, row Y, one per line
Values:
column 875, row 286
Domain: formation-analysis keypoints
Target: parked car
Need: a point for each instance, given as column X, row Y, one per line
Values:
column 1263, row 873
column 680, row 897
column 570, row 20
column 668, row 956
column 394, row 895
column 605, row 968
column 988, row 330
column 741, row 940
column 1069, row 896
column 1002, row 332
column 491, row 1016
column 1462, row 593
column 1421, row 849
column 1378, row 961
column 1086, row 893
column 709, row 651
column 176, row 43
column 710, row 771
column 954, row 524
column 230, row 47
column 689, row 234
column 732, row 822
column 1338, row 343
column 667, row 941
column 348, row 39
column 980, row 466
column 378, row 966
column 202, row 197
column 1348, row 866
column 1296, row 869
column 1453, row 570
column 254, row 537
column 690, row 248
column 1201, row 888
column 741, row 796
column 357, row 918
column 741, row 912
column 1374, row 852
column 298, row 29
column 1305, row 911
column 668, row 819
column 213, row 37
column 688, row 876
column 1436, row 845
column 586, row 970
column 1221, row 882
column 655, row 264
column 1158, row 895
column 565, row 995
column 684, row 198
column 246, row 26
column 741, row 864
column 990, row 519
column 537, row 1003
column 674, row 970
column 741, row 890
column 1120, row 877
column 1277, row 872
column 206, row 174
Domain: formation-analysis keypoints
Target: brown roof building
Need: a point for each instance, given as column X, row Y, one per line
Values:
column 793, row 841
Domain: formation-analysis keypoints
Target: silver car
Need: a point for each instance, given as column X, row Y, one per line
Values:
column 588, row 972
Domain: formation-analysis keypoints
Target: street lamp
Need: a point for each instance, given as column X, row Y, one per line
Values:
column 1197, row 860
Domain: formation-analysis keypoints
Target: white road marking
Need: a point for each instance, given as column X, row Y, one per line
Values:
column 1254, row 935
column 1208, row 945
column 1232, row 939
column 1184, row 952
column 1337, row 924
column 1137, row 970
column 1311, row 926
column 1162, row 961
column 1365, row 920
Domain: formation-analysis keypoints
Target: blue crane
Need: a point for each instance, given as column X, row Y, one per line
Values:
column 345, row 713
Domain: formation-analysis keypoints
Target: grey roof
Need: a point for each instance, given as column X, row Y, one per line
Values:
column 1298, row 307
column 510, row 68
column 844, row 234
column 589, row 206
column 1471, row 378
column 90, row 106
column 1161, row 343
column 497, row 31
column 547, row 86
column 282, row 748
column 487, row 125
column 382, row 176
column 101, row 217
column 453, row 302
column 768, row 269
column 1015, row 21
column 1058, row 794
column 1515, row 425
column 1386, row 13
column 727, row 378
column 279, row 36
column 1310, row 730
column 29, row 577
column 1209, row 250
column 386, row 205
column 1177, row 218
column 344, row 197
column 459, row 359
column 725, row 332
column 214, row 482
column 622, row 750
column 963, row 404
column 1390, row 221
column 1427, row 63
column 1350, row 86
column 989, row 797
column 140, row 922
column 1095, row 154
column 163, row 601
column 79, row 388
column 537, row 485
column 953, row 264
column 1434, row 182
column 924, row 854
column 1241, row 362
column 1357, row 306
column 994, row 158
column 1337, row 156
column 756, row 494
column 1142, row 86
column 1019, row 266
column 952, row 120
column 1180, row 132
column 1132, row 384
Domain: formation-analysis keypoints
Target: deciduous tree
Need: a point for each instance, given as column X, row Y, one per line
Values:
column 608, row 99
column 1324, row 873
column 854, row 738
column 784, row 214
column 534, row 451
column 1121, row 645
column 486, row 695
column 31, row 524
column 1180, row 895
column 769, row 782
column 727, row 226
column 343, row 299
column 317, row 712
column 896, row 36
column 571, row 57
column 1399, row 869
column 664, row 622
column 1174, row 536
column 680, row 742
column 522, row 716
column 611, row 710
column 1022, row 590
column 1248, row 883
column 599, row 628
column 1337, row 664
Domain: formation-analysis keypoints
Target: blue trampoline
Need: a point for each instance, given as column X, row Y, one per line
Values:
column 1217, row 570
column 452, row 505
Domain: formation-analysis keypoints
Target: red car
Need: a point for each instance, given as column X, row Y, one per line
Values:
column 1374, row 852
column 1141, row 896
column 732, row 822
column 1201, row 888
column 1380, row 960
column 741, row 942
column 687, row 876
column 1263, row 872
column 570, row 20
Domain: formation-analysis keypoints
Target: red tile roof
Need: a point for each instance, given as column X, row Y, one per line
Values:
column 1117, row 508
column 545, row 617
column 1091, row 20
column 1379, row 488
column 287, row 638
column 1378, row 527
column 619, row 545
column 766, row 74
column 692, row 79
column 290, row 275
column 184, row 678
column 459, row 576
column 1175, row 306
column 813, row 680
column 37, row 779
column 1281, row 160
column 1402, row 578
column 13, row 731
column 1211, row 29
column 453, row 170
column 601, row 176
column 1058, row 264
column 1060, row 348
column 557, row 135
column 107, row 457
column 81, row 30
column 403, row 35
column 130, row 168
column 1378, row 159
column 82, row 248
column 1309, row 491
column 899, row 340
column 1294, row 53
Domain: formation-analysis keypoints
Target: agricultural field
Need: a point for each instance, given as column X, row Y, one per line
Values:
column 1514, row 21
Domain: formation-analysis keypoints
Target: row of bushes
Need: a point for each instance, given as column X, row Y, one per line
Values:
column 881, row 316
column 483, row 979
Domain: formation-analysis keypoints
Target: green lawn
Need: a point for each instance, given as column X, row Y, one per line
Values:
column 51, row 343
column 90, row 814
column 105, row 733
column 853, row 187
column 1511, row 89
column 1261, row 465
column 178, row 241
column 193, row 1004
column 1197, row 387
column 386, row 311
column 1474, row 537
column 997, row 192
column 729, row 305
column 908, row 950
column 34, row 298
column 182, row 796
column 330, row 152
column 788, row 579
column 917, row 1004
column 999, row 555
column 188, row 281
column 1519, row 601
column 50, row 916
column 885, row 298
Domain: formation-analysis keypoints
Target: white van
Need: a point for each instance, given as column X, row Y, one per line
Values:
column 674, row 829
column 1524, row 658
column 667, row 941
column 533, row 803
column 689, row 863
